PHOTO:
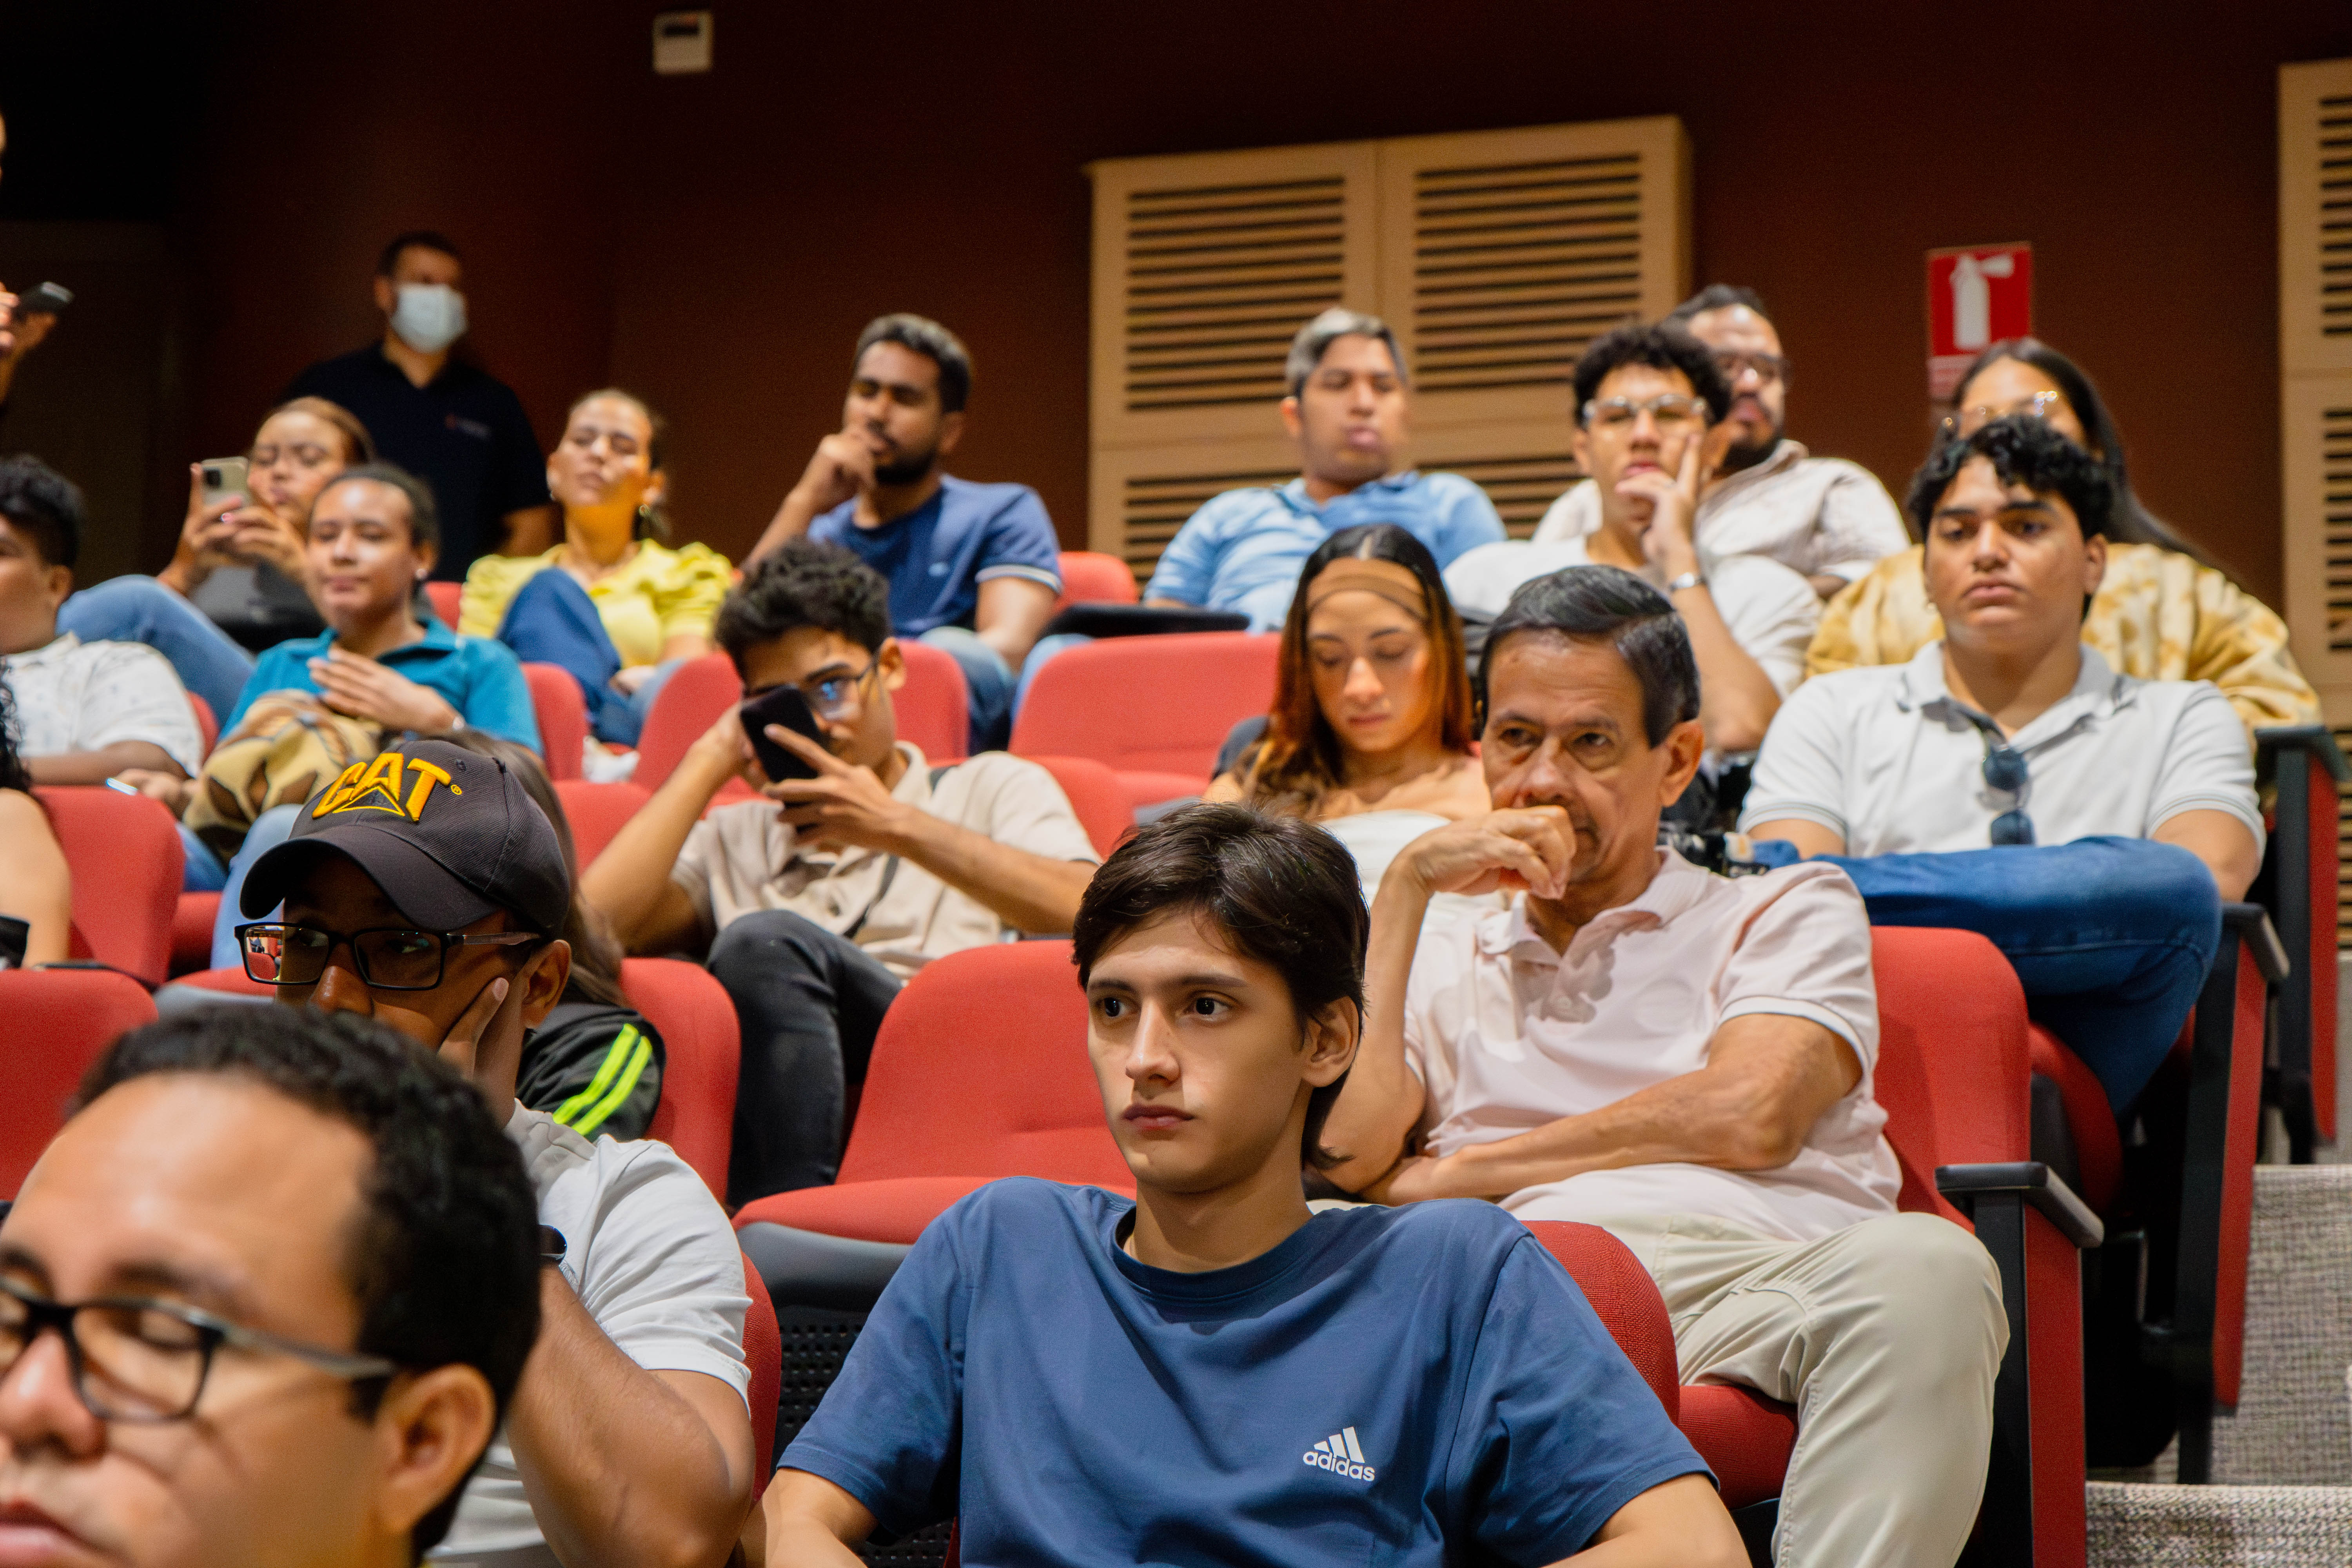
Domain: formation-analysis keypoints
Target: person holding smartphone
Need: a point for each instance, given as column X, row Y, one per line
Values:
column 813, row 915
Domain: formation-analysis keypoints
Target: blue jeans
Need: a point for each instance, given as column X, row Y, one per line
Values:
column 551, row 620
column 2110, row 937
column 987, row 684
column 270, row 829
column 141, row 609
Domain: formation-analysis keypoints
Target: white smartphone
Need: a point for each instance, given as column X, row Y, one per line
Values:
column 223, row 478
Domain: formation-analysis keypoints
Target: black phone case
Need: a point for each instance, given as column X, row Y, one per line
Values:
column 784, row 706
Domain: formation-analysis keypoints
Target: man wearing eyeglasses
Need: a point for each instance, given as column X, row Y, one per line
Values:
column 1646, row 399
column 1824, row 518
column 813, row 915
column 264, row 1299
column 1940, row 776
column 424, row 889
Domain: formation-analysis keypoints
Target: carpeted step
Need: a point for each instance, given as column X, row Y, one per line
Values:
column 2294, row 1426
column 2220, row 1526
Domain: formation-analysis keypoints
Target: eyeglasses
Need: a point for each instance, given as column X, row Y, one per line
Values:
column 834, row 697
column 1669, row 411
column 2004, row 770
column 1968, row 421
column 138, row 1360
column 389, row 958
column 1769, row 368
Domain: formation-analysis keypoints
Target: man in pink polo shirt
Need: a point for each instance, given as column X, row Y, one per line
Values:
column 1685, row 1059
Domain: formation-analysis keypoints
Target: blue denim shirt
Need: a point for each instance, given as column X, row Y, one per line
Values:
column 479, row 677
column 1245, row 549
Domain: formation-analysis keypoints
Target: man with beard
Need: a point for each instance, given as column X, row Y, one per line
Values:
column 973, row 569
column 1824, row 518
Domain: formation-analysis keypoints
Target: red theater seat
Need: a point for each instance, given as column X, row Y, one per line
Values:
column 703, row 1045
column 689, row 705
column 563, row 715
column 445, row 597
column 763, row 1353
column 1153, row 708
column 125, row 855
column 597, row 812
column 207, row 722
column 1091, row 577
column 58, row 1021
column 1035, row 1111
column 192, row 931
column 1097, row 796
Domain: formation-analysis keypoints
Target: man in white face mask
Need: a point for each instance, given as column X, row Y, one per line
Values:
column 452, row 423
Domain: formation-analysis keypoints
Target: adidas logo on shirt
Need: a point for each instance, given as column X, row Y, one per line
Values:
column 1339, row 1455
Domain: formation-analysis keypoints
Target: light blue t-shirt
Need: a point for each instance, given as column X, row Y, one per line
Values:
column 479, row 677
column 1244, row 550
column 1415, row 1387
column 936, row 557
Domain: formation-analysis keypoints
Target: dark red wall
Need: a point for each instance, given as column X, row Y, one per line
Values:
column 715, row 242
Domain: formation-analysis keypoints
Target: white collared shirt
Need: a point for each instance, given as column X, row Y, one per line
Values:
column 77, row 696
column 1816, row 516
column 1886, row 757
column 1507, row 1035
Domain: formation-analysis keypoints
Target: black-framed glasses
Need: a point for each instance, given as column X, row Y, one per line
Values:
column 390, row 958
column 145, row 1360
column 1769, row 368
column 2004, row 770
column 833, row 696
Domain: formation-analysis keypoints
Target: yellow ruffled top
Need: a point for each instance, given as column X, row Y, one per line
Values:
column 658, row 594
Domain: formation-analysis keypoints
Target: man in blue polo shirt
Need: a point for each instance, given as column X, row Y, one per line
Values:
column 1348, row 410
column 1210, row 1374
column 973, row 569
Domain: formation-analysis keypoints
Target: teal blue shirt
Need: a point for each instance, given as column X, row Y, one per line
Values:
column 479, row 677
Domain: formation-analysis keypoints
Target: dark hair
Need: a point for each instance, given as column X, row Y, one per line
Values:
column 596, row 952
column 2023, row 451
column 930, row 339
column 44, row 506
column 1609, row 604
column 445, row 1257
column 651, row 521
column 1660, row 346
column 803, row 583
column 388, row 261
column 359, row 446
column 1316, row 338
column 424, row 517
column 1282, row 891
column 2129, row 521
column 1299, row 757
column 1717, row 296
column 14, row 774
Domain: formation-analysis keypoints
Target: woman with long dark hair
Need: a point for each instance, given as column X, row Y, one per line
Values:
column 38, row 889
column 2164, row 611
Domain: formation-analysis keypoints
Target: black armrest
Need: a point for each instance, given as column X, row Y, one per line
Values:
column 2252, row 922
column 2039, row 1186
column 2314, row 739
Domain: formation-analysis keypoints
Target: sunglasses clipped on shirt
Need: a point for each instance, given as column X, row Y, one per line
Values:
column 2004, row 770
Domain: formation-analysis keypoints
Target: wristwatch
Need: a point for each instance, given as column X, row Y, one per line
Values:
column 551, row 1247
column 1688, row 580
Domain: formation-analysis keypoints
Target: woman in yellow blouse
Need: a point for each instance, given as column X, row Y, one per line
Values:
column 612, row 603
column 2162, row 612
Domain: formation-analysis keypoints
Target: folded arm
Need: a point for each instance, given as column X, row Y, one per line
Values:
column 97, row 766
column 2223, row 842
column 1681, row 1523
column 812, row 1521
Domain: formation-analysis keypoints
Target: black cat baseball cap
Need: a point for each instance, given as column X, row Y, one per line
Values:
column 450, row 835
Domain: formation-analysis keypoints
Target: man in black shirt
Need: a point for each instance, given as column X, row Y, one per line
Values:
column 454, row 423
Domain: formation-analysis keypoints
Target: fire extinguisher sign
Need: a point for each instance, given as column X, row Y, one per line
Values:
column 1976, row 294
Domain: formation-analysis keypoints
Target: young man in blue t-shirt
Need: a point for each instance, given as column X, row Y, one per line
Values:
column 1211, row 1372
column 973, row 569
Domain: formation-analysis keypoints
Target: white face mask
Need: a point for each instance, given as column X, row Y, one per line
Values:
column 429, row 317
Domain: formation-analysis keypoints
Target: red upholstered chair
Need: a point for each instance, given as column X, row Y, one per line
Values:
column 125, row 855
column 703, row 1047
column 596, row 812
column 563, row 715
column 763, row 1353
column 689, row 704
column 1097, row 796
column 1091, row 577
column 59, row 1021
column 2299, row 887
column 1035, row 1111
column 933, row 708
column 207, row 722
column 1153, row 708
column 445, row 597
column 192, row 931
column 1624, row 1297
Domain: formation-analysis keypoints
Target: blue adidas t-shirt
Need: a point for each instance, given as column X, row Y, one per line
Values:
column 937, row 556
column 1415, row 1385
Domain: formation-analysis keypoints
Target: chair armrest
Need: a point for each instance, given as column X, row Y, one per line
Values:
column 2251, row 924
column 2314, row 740
column 2039, row 1185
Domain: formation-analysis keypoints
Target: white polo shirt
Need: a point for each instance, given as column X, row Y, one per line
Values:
column 1507, row 1036
column 1770, row 612
column 77, row 696
column 1885, row 757
column 1814, row 515
column 656, row 1263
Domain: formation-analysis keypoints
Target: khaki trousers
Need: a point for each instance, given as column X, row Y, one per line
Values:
column 1886, row 1336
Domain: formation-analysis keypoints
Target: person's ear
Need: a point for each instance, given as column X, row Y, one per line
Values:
column 543, row 981
column 1291, row 420
column 429, row 1430
column 386, row 295
column 2095, row 564
column 950, row 432
column 57, row 585
column 656, row 486
column 1582, row 449
column 1684, row 744
column 1329, row 1046
column 426, row 554
column 890, row 664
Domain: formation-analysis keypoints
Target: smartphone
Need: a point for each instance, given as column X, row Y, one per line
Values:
column 785, row 705
column 223, row 478
column 48, row 299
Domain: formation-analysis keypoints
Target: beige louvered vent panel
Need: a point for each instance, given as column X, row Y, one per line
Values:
column 1205, row 265
column 1523, row 467
column 1141, row 495
column 1504, row 253
column 2316, row 430
column 2315, row 216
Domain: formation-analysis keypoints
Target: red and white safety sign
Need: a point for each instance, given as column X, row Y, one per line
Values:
column 1976, row 294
